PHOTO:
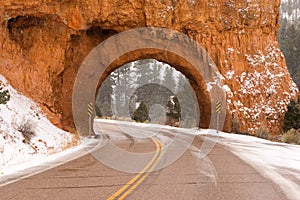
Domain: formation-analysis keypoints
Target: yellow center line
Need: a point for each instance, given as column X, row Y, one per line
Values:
column 143, row 177
column 120, row 191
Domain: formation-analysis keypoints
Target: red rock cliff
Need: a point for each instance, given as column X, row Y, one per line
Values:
column 43, row 42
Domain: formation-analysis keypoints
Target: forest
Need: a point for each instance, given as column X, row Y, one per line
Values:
column 289, row 36
column 148, row 90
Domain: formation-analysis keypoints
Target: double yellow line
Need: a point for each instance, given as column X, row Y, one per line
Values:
column 141, row 176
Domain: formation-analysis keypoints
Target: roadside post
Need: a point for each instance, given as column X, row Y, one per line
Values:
column 218, row 111
column 90, row 113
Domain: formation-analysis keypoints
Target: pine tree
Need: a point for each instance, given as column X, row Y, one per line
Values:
column 168, row 78
column 98, row 111
column 148, row 71
column 122, row 89
column 292, row 116
column 292, row 50
column 141, row 114
column 173, row 107
column 177, row 108
column 155, row 69
column 104, row 97
column 189, row 110
column 289, row 36
column 142, row 71
column 180, row 83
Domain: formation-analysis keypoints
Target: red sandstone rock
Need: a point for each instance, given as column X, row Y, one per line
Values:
column 44, row 42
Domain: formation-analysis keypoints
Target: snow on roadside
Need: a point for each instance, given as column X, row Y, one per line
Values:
column 35, row 166
column 279, row 162
column 21, row 117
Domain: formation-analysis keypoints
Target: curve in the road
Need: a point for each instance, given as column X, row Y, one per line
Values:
column 131, row 185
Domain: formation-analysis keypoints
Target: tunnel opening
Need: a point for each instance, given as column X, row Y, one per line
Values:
column 163, row 45
column 181, row 66
column 71, row 51
column 148, row 91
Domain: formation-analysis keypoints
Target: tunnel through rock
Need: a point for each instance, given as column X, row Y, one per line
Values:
column 194, row 79
column 67, row 50
column 165, row 93
column 163, row 45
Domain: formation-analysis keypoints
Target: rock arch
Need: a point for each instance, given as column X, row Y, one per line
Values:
column 164, row 45
column 180, row 64
column 44, row 43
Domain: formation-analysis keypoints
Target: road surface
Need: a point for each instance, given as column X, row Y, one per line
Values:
column 221, row 175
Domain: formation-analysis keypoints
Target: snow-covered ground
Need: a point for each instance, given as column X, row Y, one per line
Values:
column 35, row 165
column 279, row 162
column 25, row 134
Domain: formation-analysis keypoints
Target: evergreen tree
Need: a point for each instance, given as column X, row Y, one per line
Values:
column 122, row 89
column 289, row 36
column 282, row 33
column 141, row 114
column 98, row 111
column 292, row 116
column 168, row 78
column 189, row 114
column 177, row 108
column 103, row 99
column 180, row 83
column 142, row 71
column 292, row 50
column 173, row 108
column 155, row 68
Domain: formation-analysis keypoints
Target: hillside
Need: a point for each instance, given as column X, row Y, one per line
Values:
column 25, row 133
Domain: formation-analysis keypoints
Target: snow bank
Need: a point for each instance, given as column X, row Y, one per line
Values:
column 279, row 162
column 26, row 134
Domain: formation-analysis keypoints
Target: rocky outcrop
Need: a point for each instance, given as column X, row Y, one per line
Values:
column 43, row 43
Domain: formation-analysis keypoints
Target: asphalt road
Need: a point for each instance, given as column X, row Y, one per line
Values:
column 221, row 175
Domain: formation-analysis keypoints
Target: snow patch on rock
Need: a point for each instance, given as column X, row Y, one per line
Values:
column 259, row 94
